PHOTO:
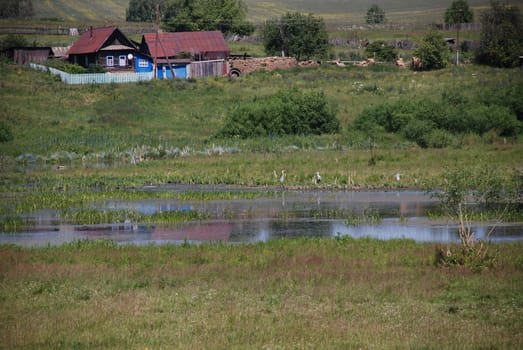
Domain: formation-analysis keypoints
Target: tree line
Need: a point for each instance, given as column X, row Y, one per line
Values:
column 304, row 36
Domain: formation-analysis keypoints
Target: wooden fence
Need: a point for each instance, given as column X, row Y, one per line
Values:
column 204, row 69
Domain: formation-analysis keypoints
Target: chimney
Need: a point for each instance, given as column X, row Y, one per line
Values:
column 91, row 32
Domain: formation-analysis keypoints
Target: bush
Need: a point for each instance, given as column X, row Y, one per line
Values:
column 381, row 51
column 289, row 112
column 418, row 131
column 435, row 123
column 66, row 67
column 432, row 53
column 482, row 119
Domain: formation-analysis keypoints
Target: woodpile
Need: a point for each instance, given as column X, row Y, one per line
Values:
column 365, row 63
column 268, row 64
column 400, row 63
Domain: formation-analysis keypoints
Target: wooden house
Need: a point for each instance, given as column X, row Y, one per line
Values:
column 177, row 53
column 107, row 47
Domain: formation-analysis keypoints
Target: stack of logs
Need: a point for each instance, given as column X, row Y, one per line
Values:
column 268, row 64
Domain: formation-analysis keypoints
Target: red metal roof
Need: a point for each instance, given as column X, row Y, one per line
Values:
column 172, row 44
column 92, row 40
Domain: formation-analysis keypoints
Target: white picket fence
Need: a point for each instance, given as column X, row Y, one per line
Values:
column 95, row 78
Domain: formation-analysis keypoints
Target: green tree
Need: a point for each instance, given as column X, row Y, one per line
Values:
column 432, row 52
column 501, row 36
column 228, row 16
column 142, row 10
column 296, row 34
column 16, row 8
column 375, row 15
column 458, row 13
column 13, row 40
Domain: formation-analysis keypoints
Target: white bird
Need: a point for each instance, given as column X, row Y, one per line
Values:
column 317, row 178
column 397, row 177
column 282, row 177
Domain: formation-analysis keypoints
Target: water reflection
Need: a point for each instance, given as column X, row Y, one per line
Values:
column 286, row 214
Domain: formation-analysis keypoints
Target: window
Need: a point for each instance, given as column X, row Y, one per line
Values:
column 109, row 61
column 122, row 61
column 142, row 63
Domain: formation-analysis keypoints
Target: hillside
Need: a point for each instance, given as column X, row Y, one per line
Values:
column 332, row 10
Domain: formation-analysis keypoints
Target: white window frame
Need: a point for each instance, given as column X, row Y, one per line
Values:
column 122, row 60
column 143, row 63
column 109, row 61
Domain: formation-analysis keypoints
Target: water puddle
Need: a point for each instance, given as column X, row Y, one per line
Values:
column 283, row 214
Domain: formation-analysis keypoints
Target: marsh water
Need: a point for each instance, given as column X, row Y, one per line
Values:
column 281, row 214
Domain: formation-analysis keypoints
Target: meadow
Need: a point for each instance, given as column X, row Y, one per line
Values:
column 75, row 145
column 163, row 131
column 287, row 294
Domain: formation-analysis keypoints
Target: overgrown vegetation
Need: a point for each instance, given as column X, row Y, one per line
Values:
column 466, row 192
column 440, row 122
column 289, row 112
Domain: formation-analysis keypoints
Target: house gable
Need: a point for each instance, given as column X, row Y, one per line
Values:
column 106, row 46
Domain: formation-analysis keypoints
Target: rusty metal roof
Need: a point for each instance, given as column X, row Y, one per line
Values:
column 172, row 44
column 94, row 39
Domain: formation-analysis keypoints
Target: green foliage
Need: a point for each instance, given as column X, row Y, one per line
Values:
column 297, row 35
column 458, row 12
column 501, row 36
column 5, row 132
column 95, row 68
column 375, row 15
column 16, row 9
column 13, row 40
column 434, row 123
column 432, row 52
column 141, row 10
column 66, row 67
column 381, row 50
column 228, row 16
column 289, row 112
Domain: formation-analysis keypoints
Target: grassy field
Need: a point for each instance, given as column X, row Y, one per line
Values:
column 172, row 125
column 299, row 294
column 336, row 11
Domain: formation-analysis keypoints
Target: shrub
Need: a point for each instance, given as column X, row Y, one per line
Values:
column 432, row 52
column 289, row 112
column 381, row 51
column 66, row 67
column 482, row 119
column 418, row 131
column 5, row 133
column 95, row 68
